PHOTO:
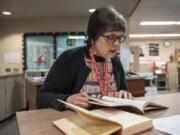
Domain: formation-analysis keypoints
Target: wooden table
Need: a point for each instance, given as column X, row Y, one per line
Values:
column 39, row 122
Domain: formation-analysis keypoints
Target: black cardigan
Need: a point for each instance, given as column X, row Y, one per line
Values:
column 68, row 75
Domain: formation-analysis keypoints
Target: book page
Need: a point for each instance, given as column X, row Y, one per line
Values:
column 114, row 119
column 87, row 115
column 128, row 104
column 170, row 125
column 74, row 125
column 119, row 102
column 152, row 106
column 131, row 123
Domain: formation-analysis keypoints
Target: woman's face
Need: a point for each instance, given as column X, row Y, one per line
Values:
column 108, row 44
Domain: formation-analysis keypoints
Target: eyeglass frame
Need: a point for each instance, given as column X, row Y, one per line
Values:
column 122, row 37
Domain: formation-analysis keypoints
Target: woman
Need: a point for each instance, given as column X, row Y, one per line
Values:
column 93, row 70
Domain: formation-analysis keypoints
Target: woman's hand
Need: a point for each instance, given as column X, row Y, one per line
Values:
column 81, row 99
column 123, row 94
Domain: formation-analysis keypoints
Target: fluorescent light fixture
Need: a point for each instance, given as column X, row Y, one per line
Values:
column 91, row 10
column 178, row 23
column 158, row 23
column 167, row 35
column 76, row 37
column 6, row 13
column 140, row 35
column 153, row 35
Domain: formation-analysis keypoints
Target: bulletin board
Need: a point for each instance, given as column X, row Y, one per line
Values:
column 39, row 52
column 41, row 49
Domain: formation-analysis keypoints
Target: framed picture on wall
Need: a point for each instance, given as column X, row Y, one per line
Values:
column 71, row 42
column 153, row 49
column 67, row 41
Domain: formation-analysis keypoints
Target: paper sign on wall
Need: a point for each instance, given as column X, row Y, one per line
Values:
column 12, row 57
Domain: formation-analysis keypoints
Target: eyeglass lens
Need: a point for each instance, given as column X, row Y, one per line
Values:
column 112, row 38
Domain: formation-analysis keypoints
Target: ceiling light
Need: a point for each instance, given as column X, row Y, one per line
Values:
column 158, row 23
column 153, row 35
column 6, row 13
column 166, row 35
column 178, row 23
column 92, row 10
column 76, row 37
column 140, row 35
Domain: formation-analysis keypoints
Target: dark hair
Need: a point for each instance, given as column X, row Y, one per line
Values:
column 102, row 20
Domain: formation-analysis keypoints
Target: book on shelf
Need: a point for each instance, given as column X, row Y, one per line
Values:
column 104, row 121
column 131, row 105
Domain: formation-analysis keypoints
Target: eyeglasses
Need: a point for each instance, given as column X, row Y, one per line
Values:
column 111, row 39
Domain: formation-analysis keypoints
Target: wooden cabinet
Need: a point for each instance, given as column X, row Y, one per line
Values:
column 177, row 54
column 12, row 95
column 20, row 93
column 32, row 88
column 172, row 76
column 136, row 86
column 2, row 99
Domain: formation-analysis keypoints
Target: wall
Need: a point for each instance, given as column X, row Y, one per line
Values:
column 10, row 44
column 11, row 33
column 164, row 52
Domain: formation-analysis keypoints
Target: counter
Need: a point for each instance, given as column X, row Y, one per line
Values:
column 12, row 94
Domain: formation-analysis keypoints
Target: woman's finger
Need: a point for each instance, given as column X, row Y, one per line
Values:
column 125, row 94
column 120, row 94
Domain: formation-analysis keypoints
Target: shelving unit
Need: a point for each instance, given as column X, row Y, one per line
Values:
column 162, row 82
column 160, row 70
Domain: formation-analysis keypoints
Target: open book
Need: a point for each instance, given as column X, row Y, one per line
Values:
column 126, row 104
column 104, row 121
